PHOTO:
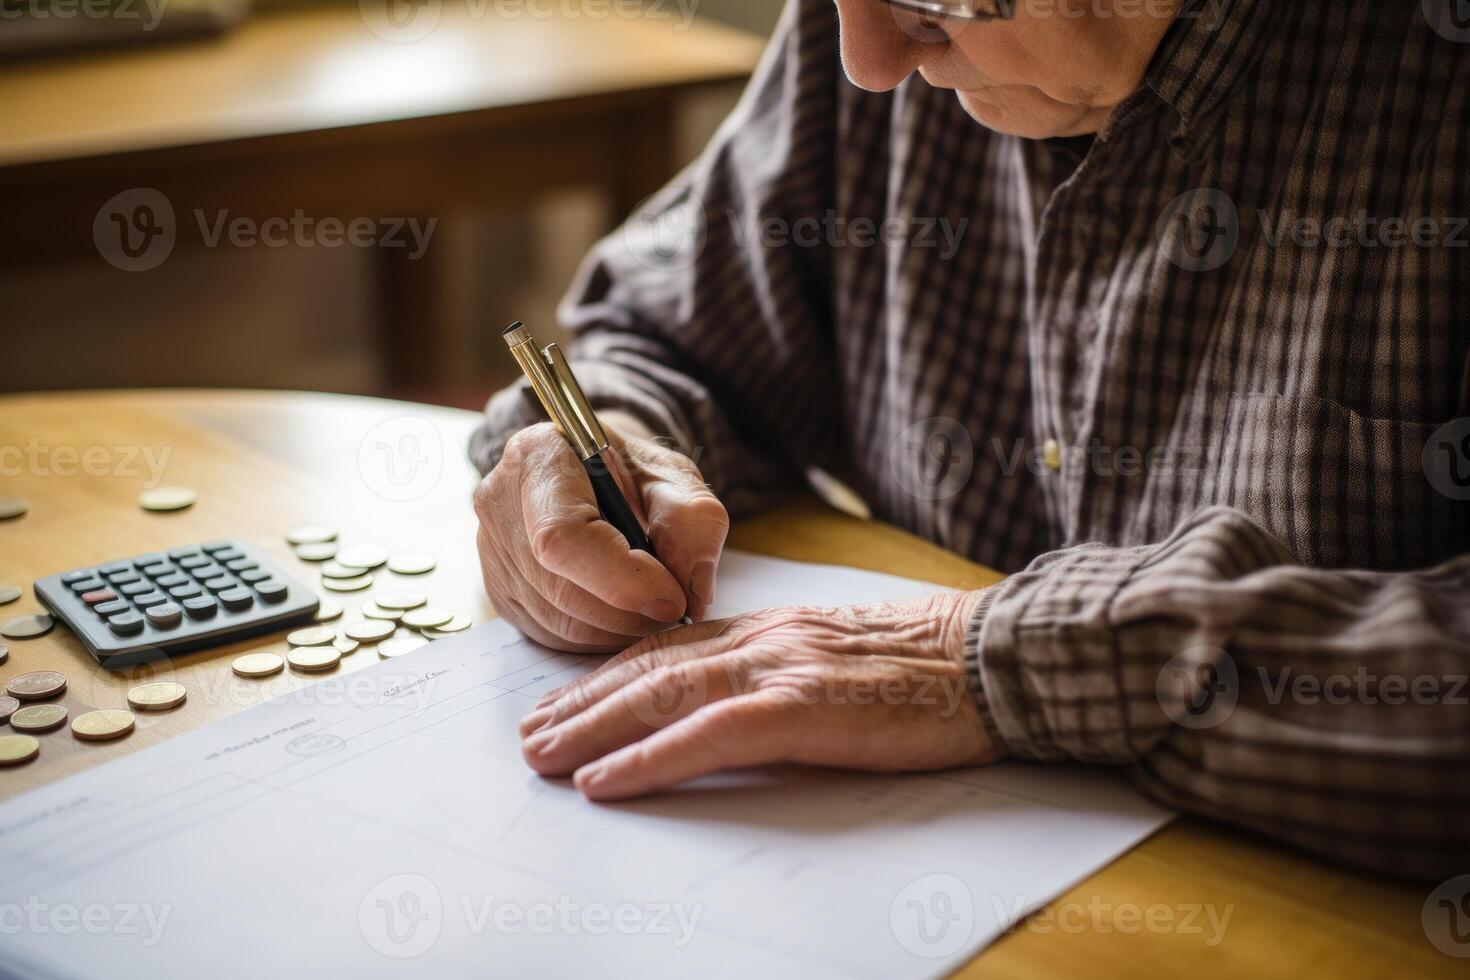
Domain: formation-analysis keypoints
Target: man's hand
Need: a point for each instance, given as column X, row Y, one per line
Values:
column 878, row 687
column 564, row 576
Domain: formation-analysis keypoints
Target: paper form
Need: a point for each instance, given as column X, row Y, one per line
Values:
column 383, row 823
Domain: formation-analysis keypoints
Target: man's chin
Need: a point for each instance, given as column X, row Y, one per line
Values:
column 1034, row 122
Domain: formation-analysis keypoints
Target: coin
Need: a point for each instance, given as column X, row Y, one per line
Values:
column 38, row 718
column 158, row 696
column 347, row 584
column 312, row 659
column 335, row 569
column 399, row 645
column 428, row 617
column 311, row 636
column 27, row 627
column 310, row 534
column 345, row 645
column 411, row 563
column 328, row 610
column 362, row 556
column 167, row 498
column 456, row 625
column 370, row 630
column 317, row 552
column 102, row 726
column 15, row 749
column 401, row 600
column 258, row 664
column 38, row 685
column 12, row 507
column 9, row 593
column 8, row 707
column 372, row 610
column 4, row 654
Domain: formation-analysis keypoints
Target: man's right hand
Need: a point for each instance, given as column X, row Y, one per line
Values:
column 564, row 576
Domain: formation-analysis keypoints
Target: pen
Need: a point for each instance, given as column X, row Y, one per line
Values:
column 557, row 389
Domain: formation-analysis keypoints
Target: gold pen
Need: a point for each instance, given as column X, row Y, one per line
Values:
column 557, row 389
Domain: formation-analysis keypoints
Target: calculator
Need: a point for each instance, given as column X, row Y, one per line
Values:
column 158, row 605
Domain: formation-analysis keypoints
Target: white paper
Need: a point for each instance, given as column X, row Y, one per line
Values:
column 383, row 823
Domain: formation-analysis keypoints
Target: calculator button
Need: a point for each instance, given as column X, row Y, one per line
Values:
column 87, row 585
column 99, row 596
column 236, row 598
column 270, row 590
column 214, row 546
column 193, row 561
column 201, row 607
column 76, row 576
column 207, row 571
column 111, row 608
column 241, row 565
column 135, row 588
column 116, row 568
column 255, row 575
column 220, row 583
column 172, row 579
column 228, row 554
column 180, row 553
column 122, row 578
column 166, row 615
column 186, row 591
column 156, row 569
column 149, row 599
column 126, row 624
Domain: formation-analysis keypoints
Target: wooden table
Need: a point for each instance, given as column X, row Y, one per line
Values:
column 262, row 462
column 312, row 111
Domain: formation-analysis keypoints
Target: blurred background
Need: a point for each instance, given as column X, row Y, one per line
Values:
column 339, row 196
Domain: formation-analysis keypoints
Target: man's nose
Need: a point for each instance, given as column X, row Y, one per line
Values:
column 882, row 45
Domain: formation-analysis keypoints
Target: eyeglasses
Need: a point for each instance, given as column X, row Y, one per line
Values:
column 959, row 9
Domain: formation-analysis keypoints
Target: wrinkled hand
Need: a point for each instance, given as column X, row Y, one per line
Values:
column 564, row 576
column 878, row 687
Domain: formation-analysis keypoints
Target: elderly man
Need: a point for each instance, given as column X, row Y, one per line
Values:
column 1191, row 358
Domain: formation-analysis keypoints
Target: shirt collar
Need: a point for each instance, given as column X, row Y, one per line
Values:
column 1206, row 52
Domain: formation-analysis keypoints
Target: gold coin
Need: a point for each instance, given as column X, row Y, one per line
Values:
column 158, row 696
column 258, row 664
column 411, row 563
column 167, row 498
column 12, row 507
column 399, row 645
column 313, row 659
column 328, row 610
column 27, row 627
column 38, row 718
column 38, row 685
column 347, row 584
column 316, row 552
column 362, row 556
column 335, row 569
column 456, row 625
column 428, row 617
column 402, row 600
column 312, row 636
column 310, row 534
column 9, row 593
column 8, row 707
column 370, row 630
column 15, row 749
column 345, row 645
column 374, row 611
column 102, row 726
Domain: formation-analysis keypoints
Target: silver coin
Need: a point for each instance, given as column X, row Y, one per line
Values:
column 13, row 507
column 4, row 654
column 316, row 552
column 167, row 498
column 345, row 645
column 9, row 593
column 27, row 627
column 427, row 617
column 362, row 556
column 328, row 610
column 335, row 569
column 371, row 610
column 399, row 645
column 347, row 584
column 401, row 600
column 456, row 625
column 370, row 630
column 311, row 636
column 411, row 563
column 310, row 534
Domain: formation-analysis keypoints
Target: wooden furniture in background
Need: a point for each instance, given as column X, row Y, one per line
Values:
column 312, row 111
column 262, row 462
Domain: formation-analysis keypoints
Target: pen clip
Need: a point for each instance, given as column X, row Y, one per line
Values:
column 549, row 390
column 575, row 398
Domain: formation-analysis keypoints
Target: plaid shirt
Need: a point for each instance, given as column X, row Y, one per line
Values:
column 1210, row 366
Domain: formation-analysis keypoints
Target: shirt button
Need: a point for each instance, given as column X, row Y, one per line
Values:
column 1051, row 452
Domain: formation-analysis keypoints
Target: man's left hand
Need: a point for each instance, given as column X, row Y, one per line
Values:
column 879, row 687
